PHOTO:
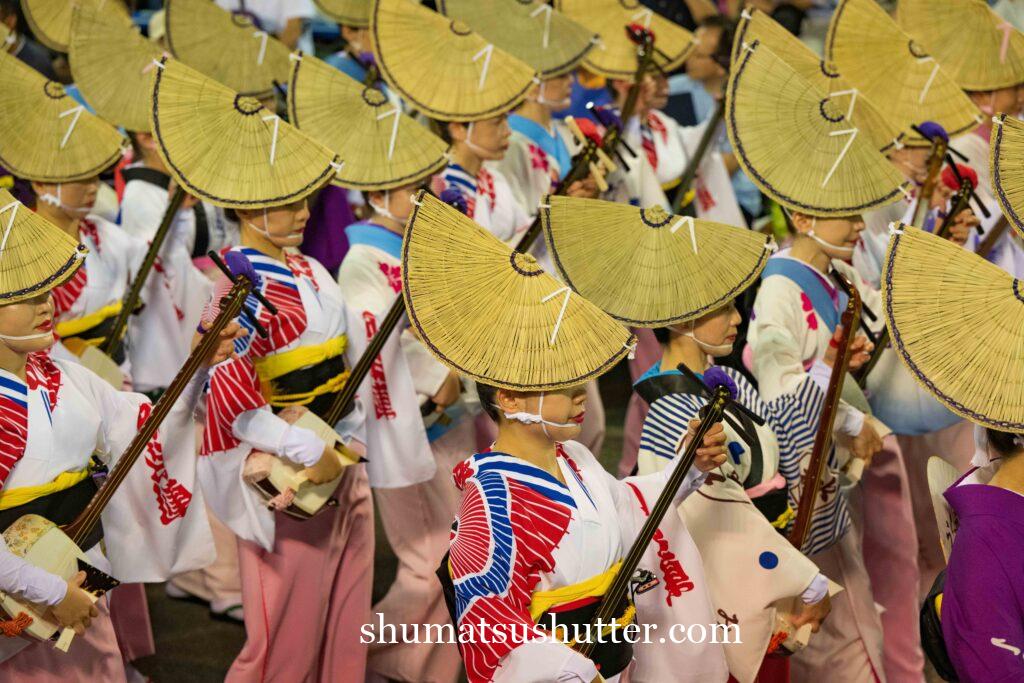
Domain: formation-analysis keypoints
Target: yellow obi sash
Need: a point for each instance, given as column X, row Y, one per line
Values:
column 594, row 587
column 270, row 368
column 26, row 494
column 76, row 326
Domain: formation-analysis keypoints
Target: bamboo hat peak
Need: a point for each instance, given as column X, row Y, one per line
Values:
column 50, row 20
column 906, row 84
column 35, row 255
column 441, row 67
column 798, row 144
column 980, row 49
column 755, row 25
column 380, row 148
column 45, row 134
column 227, row 47
column 493, row 314
column 547, row 40
column 938, row 296
column 667, row 269
column 112, row 65
column 227, row 148
column 616, row 55
column 355, row 13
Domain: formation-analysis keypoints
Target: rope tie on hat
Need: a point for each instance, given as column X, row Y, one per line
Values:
column 928, row 83
column 852, row 132
column 77, row 112
column 644, row 15
column 894, row 229
column 686, row 220
column 631, row 349
column 1007, row 29
column 13, row 207
column 273, row 143
column 852, row 92
column 394, row 128
column 906, row 193
column 546, row 9
column 413, row 199
column 486, row 53
column 770, row 246
column 295, row 56
column 337, row 166
column 158, row 64
column 561, row 313
column 262, row 35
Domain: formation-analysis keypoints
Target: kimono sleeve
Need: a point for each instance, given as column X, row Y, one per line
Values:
column 516, row 168
column 777, row 354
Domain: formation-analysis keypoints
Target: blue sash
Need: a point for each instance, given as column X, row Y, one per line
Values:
column 553, row 145
column 810, row 282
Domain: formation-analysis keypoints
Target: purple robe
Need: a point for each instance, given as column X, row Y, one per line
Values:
column 983, row 602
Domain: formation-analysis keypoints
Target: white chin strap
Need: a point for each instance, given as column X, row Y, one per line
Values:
column 554, row 104
column 263, row 231
column 384, row 211
column 55, row 200
column 711, row 349
column 536, row 418
column 845, row 251
column 480, row 151
column 27, row 337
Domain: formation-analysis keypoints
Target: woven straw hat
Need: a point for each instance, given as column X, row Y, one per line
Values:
column 615, row 54
column 544, row 38
column 45, row 135
column 663, row 270
column 354, row 13
column 50, row 20
column 35, row 255
column 112, row 65
column 797, row 145
column 756, row 25
column 895, row 73
column 380, row 147
column 440, row 67
column 227, row 148
column 493, row 314
column 226, row 47
column 1006, row 162
column 957, row 322
column 979, row 49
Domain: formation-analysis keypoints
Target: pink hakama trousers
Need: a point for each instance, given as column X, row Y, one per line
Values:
column 417, row 521
column 218, row 584
column 93, row 657
column 129, row 612
column 883, row 512
column 306, row 602
column 648, row 352
column 848, row 648
column 955, row 445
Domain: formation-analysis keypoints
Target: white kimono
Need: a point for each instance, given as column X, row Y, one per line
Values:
column 154, row 527
column 489, row 200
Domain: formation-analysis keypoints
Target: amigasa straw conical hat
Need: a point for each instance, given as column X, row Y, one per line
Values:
column 45, row 134
column 1006, row 163
column 355, row 13
column 904, row 82
column 35, row 255
column 798, row 146
column 227, row 47
column 532, row 31
column 493, row 314
column 380, row 148
column 615, row 54
column 663, row 269
column 441, row 67
column 979, row 49
column 957, row 323
column 756, row 25
column 112, row 65
column 227, row 148
column 50, row 20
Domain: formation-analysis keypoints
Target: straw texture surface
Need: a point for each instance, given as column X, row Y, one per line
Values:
column 615, row 54
column 380, row 147
column 50, row 20
column 494, row 314
column 45, row 135
column 797, row 144
column 225, row 47
column 757, row 26
column 957, row 322
column 980, row 49
column 1006, row 163
column 112, row 65
column 663, row 269
column 895, row 73
column 532, row 31
column 35, row 255
column 441, row 67
column 346, row 12
column 229, row 149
